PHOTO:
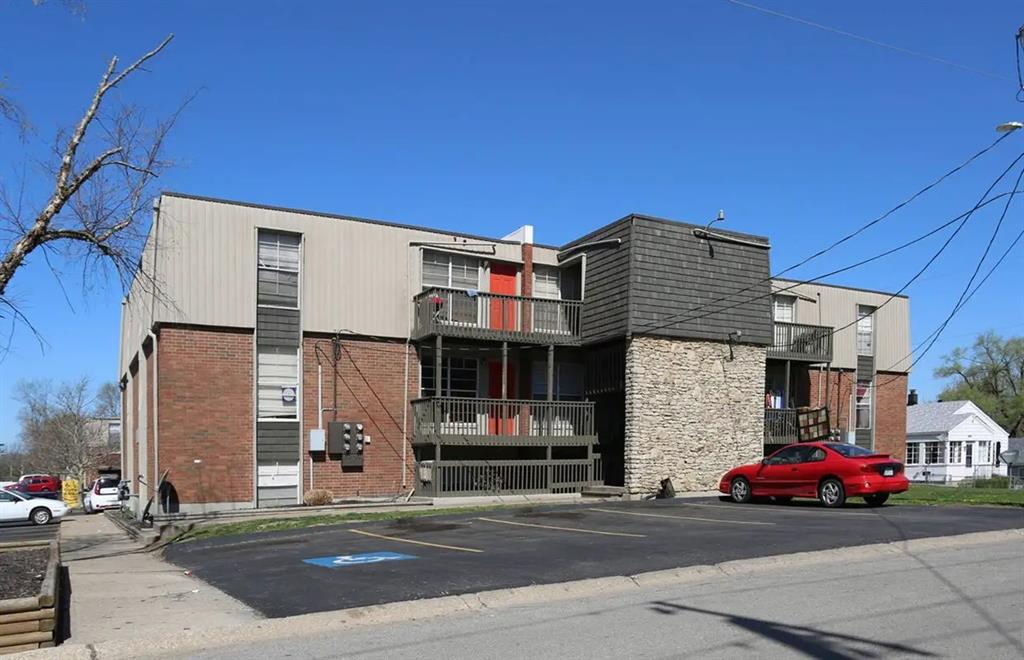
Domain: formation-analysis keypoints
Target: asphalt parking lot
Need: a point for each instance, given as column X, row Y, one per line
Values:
column 327, row 568
column 11, row 532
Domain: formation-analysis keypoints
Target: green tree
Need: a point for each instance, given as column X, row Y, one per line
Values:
column 991, row 374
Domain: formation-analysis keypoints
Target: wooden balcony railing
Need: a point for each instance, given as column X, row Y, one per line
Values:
column 459, row 420
column 481, row 315
column 798, row 341
column 435, row 478
column 780, row 426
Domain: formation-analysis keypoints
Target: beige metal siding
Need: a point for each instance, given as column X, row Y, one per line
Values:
column 356, row 275
column 838, row 308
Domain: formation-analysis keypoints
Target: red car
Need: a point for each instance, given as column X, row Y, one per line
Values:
column 38, row 484
column 828, row 471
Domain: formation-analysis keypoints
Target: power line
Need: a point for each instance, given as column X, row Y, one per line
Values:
column 834, row 245
column 869, row 40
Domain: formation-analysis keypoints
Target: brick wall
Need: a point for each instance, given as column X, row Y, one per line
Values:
column 891, row 414
column 839, row 385
column 205, row 390
column 150, row 459
column 369, row 380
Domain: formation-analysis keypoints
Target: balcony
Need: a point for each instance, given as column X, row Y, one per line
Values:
column 552, row 445
column 502, row 422
column 780, row 426
column 481, row 315
column 798, row 341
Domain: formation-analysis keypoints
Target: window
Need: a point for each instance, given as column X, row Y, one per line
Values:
column 913, row 453
column 865, row 330
column 277, row 369
column 956, row 452
column 864, row 401
column 568, row 385
column 983, row 456
column 849, row 451
column 458, row 376
column 547, row 282
column 277, row 275
column 114, row 435
column 450, row 270
column 933, row 453
column 783, row 308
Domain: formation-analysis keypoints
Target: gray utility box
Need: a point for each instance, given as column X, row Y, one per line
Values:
column 346, row 440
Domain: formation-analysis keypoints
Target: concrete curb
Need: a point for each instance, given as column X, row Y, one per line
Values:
column 320, row 622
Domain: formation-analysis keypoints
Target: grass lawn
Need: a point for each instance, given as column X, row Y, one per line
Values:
column 275, row 524
column 924, row 494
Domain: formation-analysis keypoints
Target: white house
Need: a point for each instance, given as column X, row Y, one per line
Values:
column 952, row 440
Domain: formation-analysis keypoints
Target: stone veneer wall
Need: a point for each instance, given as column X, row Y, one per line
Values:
column 691, row 412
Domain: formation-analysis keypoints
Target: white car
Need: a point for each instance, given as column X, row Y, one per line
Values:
column 102, row 495
column 17, row 507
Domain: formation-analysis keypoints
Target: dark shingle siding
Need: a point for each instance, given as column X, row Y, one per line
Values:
column 278, row 441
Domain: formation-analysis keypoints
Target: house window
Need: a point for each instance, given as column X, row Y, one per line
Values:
column 783, row 308
column 450, row 270
column 865, row 330
column 547, row 282
column 864, row 401
column 568, row 385
column 459, row 376
column 913, row 453
column 277, row 369
column 277, row 281
column 933, row 453
column 983, row 456
column 956, row 452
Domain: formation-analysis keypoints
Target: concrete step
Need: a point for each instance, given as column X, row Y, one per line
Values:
column 604, row 491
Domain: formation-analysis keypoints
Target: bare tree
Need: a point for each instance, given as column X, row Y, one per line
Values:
column 102, row 173
column 57, row 429
column 108, row 401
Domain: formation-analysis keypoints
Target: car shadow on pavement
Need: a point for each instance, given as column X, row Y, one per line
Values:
column 811, row 642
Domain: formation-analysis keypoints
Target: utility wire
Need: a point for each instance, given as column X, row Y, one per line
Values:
column 964, row 299
column 869, row 40
column 834, row 245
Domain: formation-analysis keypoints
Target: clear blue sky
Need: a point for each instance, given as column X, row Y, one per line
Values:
column 483, row 116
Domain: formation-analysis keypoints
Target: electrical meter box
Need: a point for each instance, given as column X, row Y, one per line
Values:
column 346, row 441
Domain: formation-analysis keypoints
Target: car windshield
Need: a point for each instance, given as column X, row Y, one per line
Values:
column 849, row 451
column 107, row 482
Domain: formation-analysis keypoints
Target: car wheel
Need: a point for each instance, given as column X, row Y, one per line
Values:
column 877, row 499
column 831, row 493
column 739, row 489
column 782, row 499
column 40, row 516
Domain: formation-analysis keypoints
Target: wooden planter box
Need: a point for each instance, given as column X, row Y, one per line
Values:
column 29, row 623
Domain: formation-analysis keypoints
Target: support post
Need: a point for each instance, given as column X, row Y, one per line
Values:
column 785, row 388
column 437, row 366
column 504, row 370
column 828, row 395
column 551, row 390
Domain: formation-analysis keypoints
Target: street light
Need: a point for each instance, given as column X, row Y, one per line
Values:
column 1009, row 126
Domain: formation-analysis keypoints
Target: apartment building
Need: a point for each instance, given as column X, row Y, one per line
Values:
column 267, row 351
column 843, row 348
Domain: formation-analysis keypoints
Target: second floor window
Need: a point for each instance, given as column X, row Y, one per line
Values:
column 450, row 270
column 783, row 308
column 865, row 330
column 277, row 261
column 459, row 376
column 864, row 404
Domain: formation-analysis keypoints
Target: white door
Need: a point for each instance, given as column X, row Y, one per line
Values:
column 12, row 507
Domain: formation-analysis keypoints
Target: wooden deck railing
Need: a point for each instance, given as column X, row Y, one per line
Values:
column 482, row 315
column 475, row 421
column 798, row 341
column 780, row 426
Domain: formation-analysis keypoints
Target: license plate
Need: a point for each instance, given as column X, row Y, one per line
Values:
column 887, row 472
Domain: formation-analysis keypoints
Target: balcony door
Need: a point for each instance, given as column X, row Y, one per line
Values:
column 503, row 311
column 503, row 419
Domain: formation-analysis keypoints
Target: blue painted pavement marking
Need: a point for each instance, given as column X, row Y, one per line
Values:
column 338, row 561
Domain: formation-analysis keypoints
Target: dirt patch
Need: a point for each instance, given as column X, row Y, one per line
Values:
column 22, row 571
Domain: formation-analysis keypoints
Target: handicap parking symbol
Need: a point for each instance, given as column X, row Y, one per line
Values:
column 340, row 561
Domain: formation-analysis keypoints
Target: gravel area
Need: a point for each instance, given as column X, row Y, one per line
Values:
column 22, row 571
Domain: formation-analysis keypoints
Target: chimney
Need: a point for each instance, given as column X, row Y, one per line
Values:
column 912, row 398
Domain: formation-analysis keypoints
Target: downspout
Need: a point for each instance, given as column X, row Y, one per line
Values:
column 153, row 339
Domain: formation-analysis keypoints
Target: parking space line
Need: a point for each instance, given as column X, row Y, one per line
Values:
column 401, row 540
column 665, row 515
column 798, row 510
column 563, row 529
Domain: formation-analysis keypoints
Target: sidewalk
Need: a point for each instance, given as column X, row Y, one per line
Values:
column 118, row 590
